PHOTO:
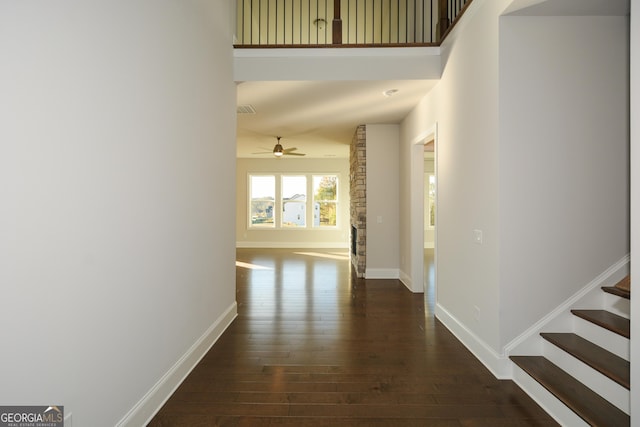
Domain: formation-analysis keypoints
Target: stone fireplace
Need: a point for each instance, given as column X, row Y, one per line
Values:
column 358, row 196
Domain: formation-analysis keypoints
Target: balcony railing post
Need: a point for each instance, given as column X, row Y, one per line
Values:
column 443, row 18
column 337, row 23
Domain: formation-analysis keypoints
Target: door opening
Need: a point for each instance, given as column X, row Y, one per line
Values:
column 429, row 224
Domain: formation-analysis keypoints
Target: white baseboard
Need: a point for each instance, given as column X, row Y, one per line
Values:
column 526, row 341
column 294, row 245
column 529, row 341
column 408, row 283
column 143, row 411
column 547, row 401
column 382, row 273
column 498, row 364
column 561, row 320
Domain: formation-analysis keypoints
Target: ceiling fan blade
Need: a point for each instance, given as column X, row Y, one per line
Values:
column 294, row 154
column 263, row 152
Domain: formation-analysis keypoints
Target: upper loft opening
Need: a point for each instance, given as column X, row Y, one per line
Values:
column 345, row 23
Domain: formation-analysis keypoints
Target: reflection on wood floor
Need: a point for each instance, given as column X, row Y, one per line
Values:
column 429, row 280
column 313, row 346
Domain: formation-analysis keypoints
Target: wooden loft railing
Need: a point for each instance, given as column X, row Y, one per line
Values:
column 345, row 23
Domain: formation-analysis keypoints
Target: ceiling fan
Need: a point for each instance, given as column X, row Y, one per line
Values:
column 279, row 151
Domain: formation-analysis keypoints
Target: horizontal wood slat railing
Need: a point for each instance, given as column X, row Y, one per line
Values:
column 345, row 23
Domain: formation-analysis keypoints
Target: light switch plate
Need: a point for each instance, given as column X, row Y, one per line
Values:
column 477, row 236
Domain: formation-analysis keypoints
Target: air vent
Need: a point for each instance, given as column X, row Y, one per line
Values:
column 246, row 109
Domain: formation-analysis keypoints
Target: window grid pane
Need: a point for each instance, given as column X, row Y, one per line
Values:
column 325, row 197
column 432, row 201
column 294, row 201
column 263, row 196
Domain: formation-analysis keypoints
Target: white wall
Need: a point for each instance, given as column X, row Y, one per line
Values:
column 337, row 64
column 117, row 152
column 564, row 170
column 635, row 204
column 292, row 238
column 383, row 211
column 464, row 104
column 532, row 130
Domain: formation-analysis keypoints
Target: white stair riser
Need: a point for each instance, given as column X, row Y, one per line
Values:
column 617, row 305
column 605, row 387
column 613, row 342
column 554, row 407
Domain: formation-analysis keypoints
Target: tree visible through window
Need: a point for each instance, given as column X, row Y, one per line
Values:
column 325, row 200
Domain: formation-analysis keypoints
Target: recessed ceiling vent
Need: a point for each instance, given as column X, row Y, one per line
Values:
column 246, row 109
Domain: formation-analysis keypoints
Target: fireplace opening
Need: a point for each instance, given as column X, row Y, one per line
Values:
column 354, row 239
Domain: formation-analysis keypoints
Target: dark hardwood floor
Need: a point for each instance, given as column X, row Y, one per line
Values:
column 313, row 346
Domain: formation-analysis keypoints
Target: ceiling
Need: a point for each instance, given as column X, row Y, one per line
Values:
column 569, row 7
column 319, row 117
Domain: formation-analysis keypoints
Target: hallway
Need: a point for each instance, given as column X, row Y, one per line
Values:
column 314, row 346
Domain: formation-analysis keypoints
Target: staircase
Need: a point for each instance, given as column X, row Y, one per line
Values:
column 586, row 368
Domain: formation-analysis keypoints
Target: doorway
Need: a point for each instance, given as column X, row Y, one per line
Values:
column 429, row 224
column 423, row 229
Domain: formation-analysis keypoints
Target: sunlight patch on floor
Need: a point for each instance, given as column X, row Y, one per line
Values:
column 252, row 266
column 344, row 253
column 333, row 255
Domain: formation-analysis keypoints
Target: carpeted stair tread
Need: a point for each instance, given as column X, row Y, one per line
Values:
column 603, row 361
column 588, row 405
column 607, row 320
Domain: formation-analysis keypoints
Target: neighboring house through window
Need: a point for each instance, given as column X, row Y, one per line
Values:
column 279, row 201
column 294, row 201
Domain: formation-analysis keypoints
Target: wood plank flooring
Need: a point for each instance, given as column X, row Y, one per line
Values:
column 314, row 346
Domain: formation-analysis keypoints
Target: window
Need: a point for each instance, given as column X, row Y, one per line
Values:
column 263, row 197
column 294, row 201
column 325, row 200
column 431, row 200
column 283, row 201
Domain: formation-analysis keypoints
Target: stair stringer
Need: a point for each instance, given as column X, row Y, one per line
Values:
column 552, row 406
column 561, row 320
column 607, row 388
column 616, row 344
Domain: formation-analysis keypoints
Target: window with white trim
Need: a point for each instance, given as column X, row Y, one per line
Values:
column 293, row 201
